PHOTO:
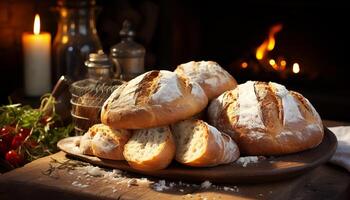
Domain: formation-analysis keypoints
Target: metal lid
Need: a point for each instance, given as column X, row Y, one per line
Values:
column 99, row 60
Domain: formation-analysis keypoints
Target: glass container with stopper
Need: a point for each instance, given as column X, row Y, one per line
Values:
column 76, row 37
column 128, row 55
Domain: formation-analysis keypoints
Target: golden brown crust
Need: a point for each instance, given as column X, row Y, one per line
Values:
column 285, row 122
column 219, row 148
column 209, row 75
column 153, row 99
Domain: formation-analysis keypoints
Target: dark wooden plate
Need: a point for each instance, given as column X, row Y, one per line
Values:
column 271, row 169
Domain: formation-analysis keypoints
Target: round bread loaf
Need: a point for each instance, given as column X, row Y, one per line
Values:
column 267, row 119
column 213, row 79
column 109, row 143
column 153, row 99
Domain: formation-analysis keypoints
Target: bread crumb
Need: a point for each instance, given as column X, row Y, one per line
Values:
column 80, row 185
column 132, row 182
column 94, row 171
column 181, row 190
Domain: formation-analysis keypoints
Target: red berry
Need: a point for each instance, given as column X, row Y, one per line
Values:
column 6, row 134
column 13, row 158
column 25, row 131
column 17, row 141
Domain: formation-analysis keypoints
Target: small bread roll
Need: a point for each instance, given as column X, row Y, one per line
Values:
column 153, row 99
column 150, row 149
column 85, row 145
column 213, row 79
column 201, row 145
column 267, row 119
column 109, row 143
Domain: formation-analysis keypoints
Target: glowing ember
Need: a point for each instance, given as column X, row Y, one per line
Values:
column 273, row 64
column 36, row 28
column 268, row 43
column 244, row 65
column 283, row 63
column 296, row 68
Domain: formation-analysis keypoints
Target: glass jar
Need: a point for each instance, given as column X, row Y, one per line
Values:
column 76, row 37
column 101, row 67
column 128, row 55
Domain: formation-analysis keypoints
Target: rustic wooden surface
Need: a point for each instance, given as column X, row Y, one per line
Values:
column 29, row 182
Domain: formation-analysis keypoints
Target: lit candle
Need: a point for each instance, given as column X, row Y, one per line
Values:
column 37, row 60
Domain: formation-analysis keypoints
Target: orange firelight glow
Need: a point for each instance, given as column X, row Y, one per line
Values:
column 36, row 28
column 244, row 65
column 268, row 43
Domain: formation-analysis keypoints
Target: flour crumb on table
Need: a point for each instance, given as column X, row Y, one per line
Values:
column 244, row 161
column 206, row 184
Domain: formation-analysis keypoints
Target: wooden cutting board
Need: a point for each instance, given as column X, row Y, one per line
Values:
column 270, row 169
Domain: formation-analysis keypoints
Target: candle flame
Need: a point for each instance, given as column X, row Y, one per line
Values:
column 36, row 28
column 296, row 68
column 269, row 43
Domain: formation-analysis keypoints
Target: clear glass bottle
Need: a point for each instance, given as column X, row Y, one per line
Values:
column 128, row 55
column 76, row 37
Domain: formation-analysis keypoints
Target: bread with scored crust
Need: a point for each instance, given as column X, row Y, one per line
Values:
column 213, row 79
column 153, row 99
column 267, row 119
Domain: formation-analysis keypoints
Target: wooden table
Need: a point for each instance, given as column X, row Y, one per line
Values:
column 325, row 182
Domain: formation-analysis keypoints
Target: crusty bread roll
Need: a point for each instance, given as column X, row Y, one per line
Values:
column 150, row 149
column 153, row 99
column 85, row 145
column 109, row 143
column 267, row 119
column 209, row 75
column 201, row 145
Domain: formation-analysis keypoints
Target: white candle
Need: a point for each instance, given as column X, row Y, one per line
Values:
column 37, row 61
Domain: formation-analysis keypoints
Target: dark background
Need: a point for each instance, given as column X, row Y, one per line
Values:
column 314, row 34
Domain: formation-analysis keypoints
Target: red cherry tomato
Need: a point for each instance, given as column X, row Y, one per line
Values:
column 17, row 141
column 6, row 134
column 25, row 131
column 13, row 158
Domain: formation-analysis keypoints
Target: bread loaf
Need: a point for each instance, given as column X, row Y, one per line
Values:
column 150, row 149
column 201, row 145
column 267, row 119
column 153, row 99
column 108, row 143
column 213, row 79
column 104, row 142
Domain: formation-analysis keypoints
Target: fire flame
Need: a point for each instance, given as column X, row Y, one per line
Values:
column 296, row 68
column 268, row 43
column 36, row 28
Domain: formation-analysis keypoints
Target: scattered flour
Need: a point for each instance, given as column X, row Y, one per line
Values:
column 244, row 161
